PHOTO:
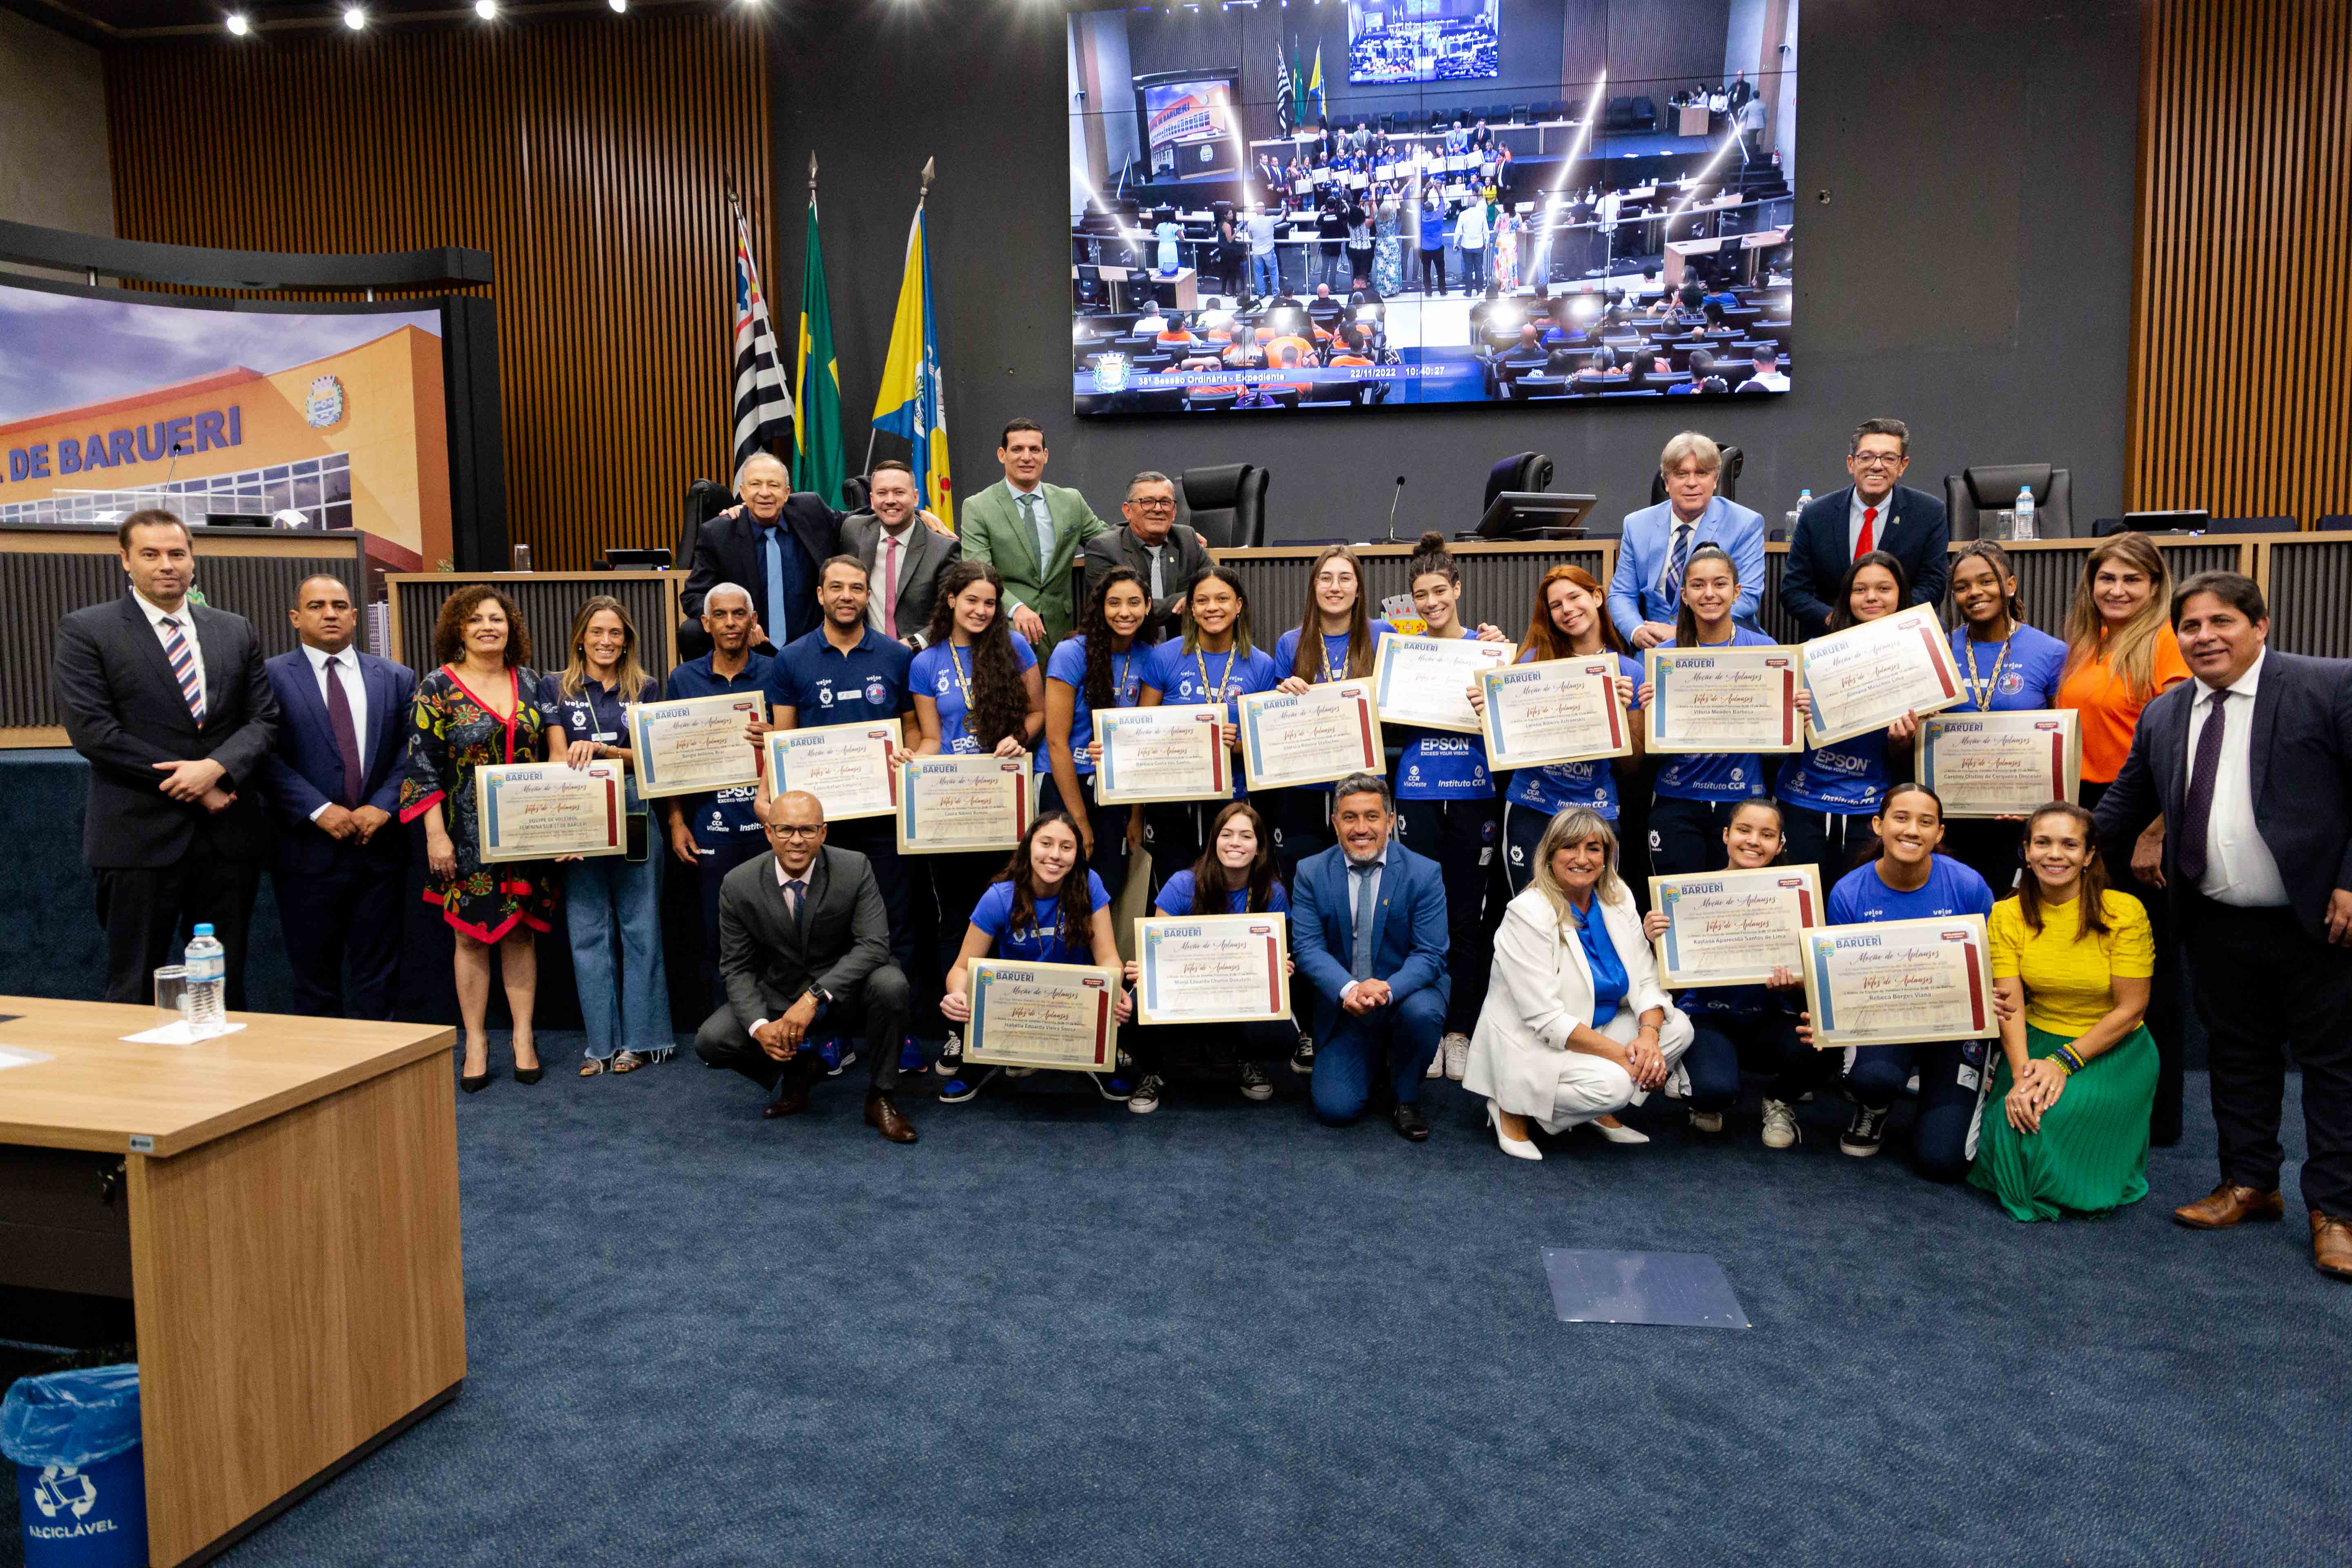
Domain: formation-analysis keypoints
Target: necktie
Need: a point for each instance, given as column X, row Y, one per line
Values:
column 1361, row 969
column 771, row 549
column 2197, row 810
column 1865, row 543
column 1041, row 522
column 1673, row 584
column 183, row 667
column 792, row 891
column 1158, row 591
column 347, row 734
column 890, row 586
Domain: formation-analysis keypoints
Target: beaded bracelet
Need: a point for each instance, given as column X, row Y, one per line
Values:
column 2065, row 1057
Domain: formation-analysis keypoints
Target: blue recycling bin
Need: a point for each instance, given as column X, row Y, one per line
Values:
column 81, row 1477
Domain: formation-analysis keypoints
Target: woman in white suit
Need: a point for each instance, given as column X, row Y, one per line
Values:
column 1575, row 1027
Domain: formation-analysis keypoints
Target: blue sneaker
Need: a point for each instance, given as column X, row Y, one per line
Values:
column 1111, row 1086
column 831, row 1053
column 910, row 1055
column 956, row 1090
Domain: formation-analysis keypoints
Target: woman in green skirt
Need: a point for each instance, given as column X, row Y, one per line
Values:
column 2079, row 1069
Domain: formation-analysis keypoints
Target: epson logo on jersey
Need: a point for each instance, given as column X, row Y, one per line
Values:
column 1840, row 763
column 1445, row 746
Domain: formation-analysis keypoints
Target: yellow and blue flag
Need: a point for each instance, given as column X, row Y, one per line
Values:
column 913, row 403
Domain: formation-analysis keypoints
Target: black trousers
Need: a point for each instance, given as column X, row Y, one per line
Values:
column 1989, row 849
column 957, row 882
column 1686, row 835
column 1107, row 823
column 351, row 912
column 1301, row 820
column 878, row 1012
column 1830, row 841
column 1433, row 271
column 2263, row 984
column 2164, row 1019
column 711, row 869
column 1156, row 1048
column 1174, row 833
column 876, row 838
column 1464, row 837
column 146, row 910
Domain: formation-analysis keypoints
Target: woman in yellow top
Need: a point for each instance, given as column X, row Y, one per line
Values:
column 2079, row 1069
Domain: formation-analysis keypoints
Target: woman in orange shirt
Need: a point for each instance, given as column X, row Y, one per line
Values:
column 2120, row 653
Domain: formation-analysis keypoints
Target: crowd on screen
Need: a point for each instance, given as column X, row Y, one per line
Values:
column 1446, row 920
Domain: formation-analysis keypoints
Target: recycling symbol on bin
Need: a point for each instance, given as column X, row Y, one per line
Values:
column 64, row 1486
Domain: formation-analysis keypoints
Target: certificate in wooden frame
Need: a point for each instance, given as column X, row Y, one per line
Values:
column 1832, row 1031
column 1156, row 936
column 1109, row 785
column 656, row 779
column 1258, row 709
column 880, row 733
column 1801, row 883
column 1942, row 734
column 992, row 979
column 603, row 822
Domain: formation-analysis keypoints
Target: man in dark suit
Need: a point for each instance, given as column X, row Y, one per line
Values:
column 903, row 560
column 772, row 543
column 168, row 700
column 332, row 783
column 1873, row 512
column 1368, row 932
column 2248, row 765
column 1164, row 552
column 805, row 945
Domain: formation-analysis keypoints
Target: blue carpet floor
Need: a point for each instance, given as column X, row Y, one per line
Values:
column 1057, row 1332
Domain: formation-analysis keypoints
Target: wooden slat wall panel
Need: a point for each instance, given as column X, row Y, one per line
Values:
column 2242, row 317
column 589, row 156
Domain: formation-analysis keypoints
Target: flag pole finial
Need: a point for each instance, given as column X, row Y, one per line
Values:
column 930, row 173
column 811, row 174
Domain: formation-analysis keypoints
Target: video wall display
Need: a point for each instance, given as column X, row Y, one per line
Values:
column 1391, row 203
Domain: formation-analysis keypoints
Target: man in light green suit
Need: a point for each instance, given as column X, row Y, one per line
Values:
column 1030, row 532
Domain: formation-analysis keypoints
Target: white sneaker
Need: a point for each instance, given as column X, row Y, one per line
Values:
column 1780, row 1125
column 1706, row 1121
column 1145, row 1099
column 1436, row 1062
column 1253, row 1081
column 1456, row 1049
column 1678, row 1085
column 950, row 1060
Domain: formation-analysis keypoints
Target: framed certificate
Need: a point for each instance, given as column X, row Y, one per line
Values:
column 1898, row 982
column 1212, row 969
column 963, row 803
column 1732, row 928
column 695, row 744
column 2001, row 764
column 1427, row 680
column 1734, row 700
column 1323, row 734
column 1043, row 1015
column 1163, row 753
column 1558, row 710
column 845, row 766
column 1866, row 676
column 536, row 811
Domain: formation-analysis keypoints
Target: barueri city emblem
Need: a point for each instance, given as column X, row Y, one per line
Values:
column 324, row 406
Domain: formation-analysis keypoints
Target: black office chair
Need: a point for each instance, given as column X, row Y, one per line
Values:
column 854, row 493
column 1727, row 479
column 2253, row 525
column 2335, row 523
column 1974, row 490
column 1226, row 504
column 705, row 498
column 1520, row 472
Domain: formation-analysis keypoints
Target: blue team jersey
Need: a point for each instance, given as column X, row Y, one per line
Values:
column 823, row 685
column 1068, row 663
column 1847, row 779
column 1863, row 897
column 943, row 674
column 597, row 714
column 2019, row 674
column 725, row 816
column 1556, row 786
column 1438, row 764
column 994, row 914
column 1716, row 776
column 1175, row 899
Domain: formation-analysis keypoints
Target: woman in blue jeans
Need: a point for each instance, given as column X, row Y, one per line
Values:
column 625, row 1007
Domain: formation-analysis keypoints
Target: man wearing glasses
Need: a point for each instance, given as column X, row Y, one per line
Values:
column 1164, row 552
column 1874, row 513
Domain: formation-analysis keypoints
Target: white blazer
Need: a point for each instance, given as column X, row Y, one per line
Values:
column 1539, row 987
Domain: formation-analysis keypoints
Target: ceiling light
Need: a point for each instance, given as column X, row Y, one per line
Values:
column 485, row 9
column 237, row 26
column 618, row 5
column 354, row 18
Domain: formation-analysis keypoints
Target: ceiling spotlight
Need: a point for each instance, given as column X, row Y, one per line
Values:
column 354, row 18
column 237, row 26
column 485, row 9
column 618, row 5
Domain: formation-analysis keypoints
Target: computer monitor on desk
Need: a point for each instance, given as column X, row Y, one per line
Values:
column 1536, row 514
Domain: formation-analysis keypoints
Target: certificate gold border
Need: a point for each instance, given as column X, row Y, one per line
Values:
column 1916, row 621
column 2069, row 737
column 1211, row 712
column 1752, row 653
column 652, row 788
column 1144, row 951
column 487, row 777
column 1373, row 761
column 1015, row 769
column 777, row 742
column 1499, row 759
column 1980, row 959
column 1810, row 914
column 1506, row 653
column 975, row 1032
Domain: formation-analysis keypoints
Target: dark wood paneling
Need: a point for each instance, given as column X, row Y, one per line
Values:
column 589, row 156
column 2241, row 315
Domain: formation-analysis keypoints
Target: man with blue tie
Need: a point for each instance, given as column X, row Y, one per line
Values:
column 333, row 785
column 1368, row 932
column 1646, row 590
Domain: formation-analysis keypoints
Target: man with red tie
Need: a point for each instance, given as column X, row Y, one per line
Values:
column 1873, row 512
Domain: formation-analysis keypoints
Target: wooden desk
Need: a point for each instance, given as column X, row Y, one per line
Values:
column 291, row 1193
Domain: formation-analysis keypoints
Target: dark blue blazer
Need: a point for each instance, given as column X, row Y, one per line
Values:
column 1915, row 532
column 305, row 771
column 2299, row 760
column 1409, row 936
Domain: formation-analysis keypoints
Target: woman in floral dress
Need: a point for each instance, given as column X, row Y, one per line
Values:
column 1388, row 250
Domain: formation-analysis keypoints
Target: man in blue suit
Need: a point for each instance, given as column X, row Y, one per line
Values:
column 1874, row 513
column 1368, row 930
column 333, row 784
column 1646, row 589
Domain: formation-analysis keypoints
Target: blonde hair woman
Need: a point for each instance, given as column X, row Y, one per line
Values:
column 1575, row 1027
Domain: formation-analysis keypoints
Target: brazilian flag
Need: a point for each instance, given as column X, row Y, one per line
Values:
column 817, row 424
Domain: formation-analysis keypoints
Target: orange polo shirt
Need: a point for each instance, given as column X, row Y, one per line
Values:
column 2108, row 712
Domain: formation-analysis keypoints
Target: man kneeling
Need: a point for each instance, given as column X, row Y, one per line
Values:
column 804, row 949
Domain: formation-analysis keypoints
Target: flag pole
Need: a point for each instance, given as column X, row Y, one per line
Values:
column 930, row 174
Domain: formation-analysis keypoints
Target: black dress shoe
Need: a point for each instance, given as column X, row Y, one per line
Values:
column 530, row 1075
column 1410, row 1124
column 474, row 1083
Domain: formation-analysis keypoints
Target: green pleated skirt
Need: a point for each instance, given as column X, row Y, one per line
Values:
column 2091, row 1155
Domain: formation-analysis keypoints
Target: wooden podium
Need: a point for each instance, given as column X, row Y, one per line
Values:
column 281, row 1204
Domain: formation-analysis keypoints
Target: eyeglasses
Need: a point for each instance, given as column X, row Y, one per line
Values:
column 1879, row 459
column 1154, row 503
column 785, row 830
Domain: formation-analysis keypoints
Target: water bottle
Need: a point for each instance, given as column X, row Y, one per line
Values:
column 1805, row 500
column 2025, row 512
column 208, row 979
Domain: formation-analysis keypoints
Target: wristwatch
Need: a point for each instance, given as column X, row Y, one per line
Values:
column 823, row 997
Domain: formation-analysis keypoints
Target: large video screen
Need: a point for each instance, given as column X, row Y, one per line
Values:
column 309, row 417
column 1400, row 203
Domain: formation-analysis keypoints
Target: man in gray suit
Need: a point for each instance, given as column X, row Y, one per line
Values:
column 1164, row 552
column 804, row 947
column 902, row 558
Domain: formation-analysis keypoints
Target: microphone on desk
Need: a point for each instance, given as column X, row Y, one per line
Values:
column 1393, row 506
